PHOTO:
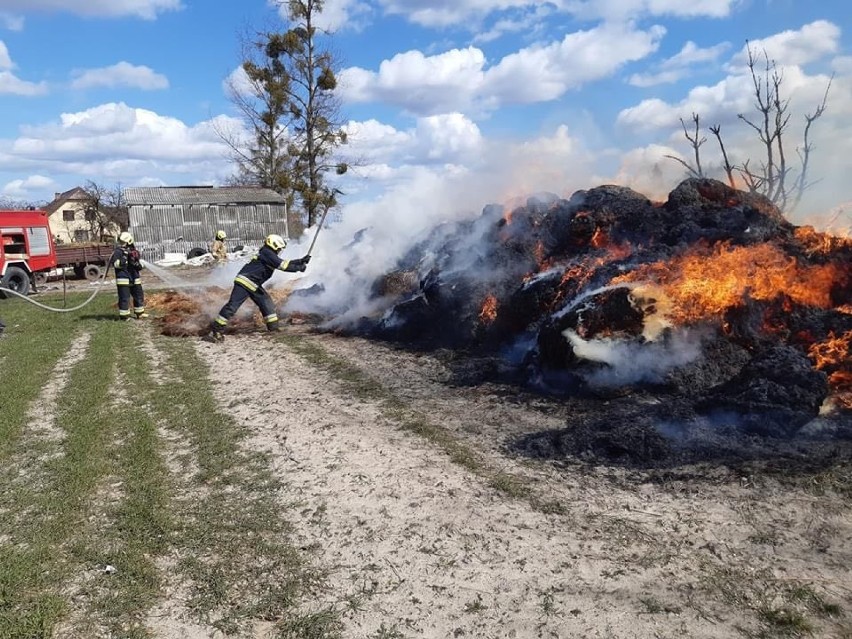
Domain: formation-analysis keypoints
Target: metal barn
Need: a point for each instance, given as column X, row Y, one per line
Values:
column 184, row 219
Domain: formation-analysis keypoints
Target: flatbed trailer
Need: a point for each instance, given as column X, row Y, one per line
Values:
column 88, row 260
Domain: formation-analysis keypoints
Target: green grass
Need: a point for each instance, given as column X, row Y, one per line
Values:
column 112, row 489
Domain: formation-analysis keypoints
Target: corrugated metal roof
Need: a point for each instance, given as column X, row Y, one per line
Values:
column 145, row 195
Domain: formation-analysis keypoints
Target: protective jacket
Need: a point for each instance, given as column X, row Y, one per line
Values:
column 127, row 263
column 217, row 249
column 261, row 267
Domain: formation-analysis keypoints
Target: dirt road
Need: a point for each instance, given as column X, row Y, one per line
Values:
column 429, row 527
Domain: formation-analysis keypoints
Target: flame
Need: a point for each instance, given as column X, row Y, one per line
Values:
column 488, row 312
column 539, row 252
column 833, row 352
column 707, row 281
column 616, row 251
column 815, row 242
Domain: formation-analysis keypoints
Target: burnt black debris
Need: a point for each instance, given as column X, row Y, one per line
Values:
column 545, row 290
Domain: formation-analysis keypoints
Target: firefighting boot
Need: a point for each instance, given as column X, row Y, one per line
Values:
column 142, row 315
column 214, row 336
column 273, row 327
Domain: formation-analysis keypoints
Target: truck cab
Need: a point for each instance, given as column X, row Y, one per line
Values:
column 26, row 247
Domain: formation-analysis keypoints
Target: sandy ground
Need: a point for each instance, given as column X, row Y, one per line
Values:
column 418, row 546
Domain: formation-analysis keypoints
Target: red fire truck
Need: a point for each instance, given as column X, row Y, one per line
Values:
column 26, row 248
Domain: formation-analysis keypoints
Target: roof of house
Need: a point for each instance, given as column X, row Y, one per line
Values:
column 145, row 195
column 77, row 193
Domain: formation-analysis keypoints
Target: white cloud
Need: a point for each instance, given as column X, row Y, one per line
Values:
column 10, row 83
column 118, row 141
column 122, row 74
column 803, row 46
column 680, row 65
column 11, row 22
column 630, row 9
column 723, row 101
column 538, row 74
column 146, row 9
column 336, row 15
column 457, row 80
column 27, row 188
column 444, row 13
column 376, row 143
column 451, row 145
column 422, row 84
column 450, row 137
column 842, row 65
column 527, row 22
column 5, row 58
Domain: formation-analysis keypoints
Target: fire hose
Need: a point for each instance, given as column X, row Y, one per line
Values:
column 99, row 282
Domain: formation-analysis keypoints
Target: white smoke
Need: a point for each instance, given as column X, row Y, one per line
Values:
column 629, row 362
column 369, row 239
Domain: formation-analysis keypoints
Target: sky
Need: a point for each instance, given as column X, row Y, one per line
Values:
column 449, row 104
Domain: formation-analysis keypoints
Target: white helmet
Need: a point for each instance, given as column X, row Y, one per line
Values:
column 125, row 238
column 275, row 242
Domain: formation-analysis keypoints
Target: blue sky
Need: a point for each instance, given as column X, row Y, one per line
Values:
column 450, row 104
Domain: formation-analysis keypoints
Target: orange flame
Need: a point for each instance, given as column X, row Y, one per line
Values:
column 834, row 356
column 815, row 242
column 488, row 313
column 601, row 239
column 707, row 281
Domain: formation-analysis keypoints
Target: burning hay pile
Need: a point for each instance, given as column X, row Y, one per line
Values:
column 712, row 301
column 189, row 313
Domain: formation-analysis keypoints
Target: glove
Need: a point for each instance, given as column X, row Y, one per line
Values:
column 305, row 259
column 297, row 264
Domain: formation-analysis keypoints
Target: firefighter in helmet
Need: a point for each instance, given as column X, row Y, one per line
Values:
column 217, row 248
column 127, row 264
column 249, row 284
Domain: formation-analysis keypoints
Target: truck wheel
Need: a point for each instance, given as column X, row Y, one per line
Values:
column 40, row 278
column 92, row 272
column 16, row 279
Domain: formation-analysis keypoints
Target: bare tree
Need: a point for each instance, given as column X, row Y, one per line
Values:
column 105, row 210
column 696, row 141
column 729, row 168
column 773, row 177
column 16, row 205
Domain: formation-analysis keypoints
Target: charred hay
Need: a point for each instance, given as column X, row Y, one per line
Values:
column 536, row 290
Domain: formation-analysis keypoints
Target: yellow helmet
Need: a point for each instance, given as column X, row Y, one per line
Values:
column 220, row 235
column 275, row 242
column 125, row 238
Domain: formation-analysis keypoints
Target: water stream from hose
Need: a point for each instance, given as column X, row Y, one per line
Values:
column 168, row 278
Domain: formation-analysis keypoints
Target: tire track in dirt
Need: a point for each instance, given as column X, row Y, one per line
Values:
column 41, row 439
column 416, row 544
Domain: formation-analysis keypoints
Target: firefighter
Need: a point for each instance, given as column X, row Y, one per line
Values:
column 127, row 263
column 217, row 249
column 249, row 284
